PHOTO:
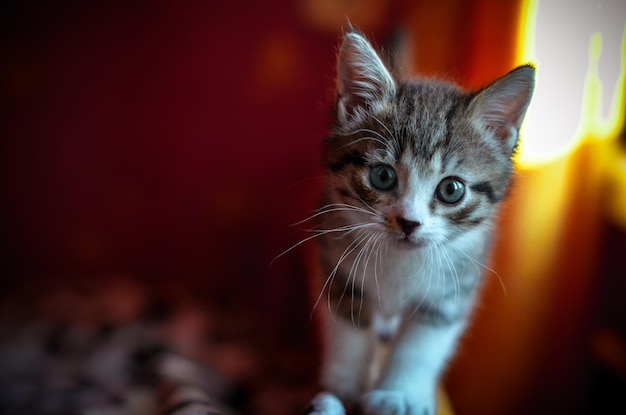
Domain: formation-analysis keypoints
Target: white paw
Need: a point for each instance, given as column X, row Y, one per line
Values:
column 393, row 402
column 325, row 403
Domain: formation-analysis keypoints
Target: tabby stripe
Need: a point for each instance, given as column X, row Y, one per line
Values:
column 353, row 196
column 366, row 194
column 462, row 216
column 476, row 221
column 486, row 189
column 452, row 110
column 353, row 158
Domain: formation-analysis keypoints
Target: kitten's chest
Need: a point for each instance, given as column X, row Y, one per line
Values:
column 396, row 281
column 402, row 282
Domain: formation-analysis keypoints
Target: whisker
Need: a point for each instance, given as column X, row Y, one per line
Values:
column 425, row 295
column 380, row 139
column 358, row 140
column 373, row 250
column 478, row 263
column 395, row 149
column 454, row 273
column 344, row 228
column 369, row 249
column 382, row 124
column 331, row 277
column 346, row 205
column 321, row 232
column 352, row 276
column 367, row 130
column 377, row 264
column 336, row 207
column 373, row 211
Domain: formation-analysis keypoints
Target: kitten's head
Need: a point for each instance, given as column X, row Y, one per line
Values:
column 426, row 160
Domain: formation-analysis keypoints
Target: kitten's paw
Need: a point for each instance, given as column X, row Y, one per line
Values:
column 392, row 402
column 325, row 403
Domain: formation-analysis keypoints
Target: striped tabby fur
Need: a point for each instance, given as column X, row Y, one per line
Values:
column 415, row 172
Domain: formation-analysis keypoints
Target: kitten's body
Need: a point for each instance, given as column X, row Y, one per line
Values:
column 415, row 173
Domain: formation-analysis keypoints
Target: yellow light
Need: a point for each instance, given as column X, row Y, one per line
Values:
column 579, row 49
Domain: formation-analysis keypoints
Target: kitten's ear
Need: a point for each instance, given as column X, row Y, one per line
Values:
column 362, row 78
column 501, row 106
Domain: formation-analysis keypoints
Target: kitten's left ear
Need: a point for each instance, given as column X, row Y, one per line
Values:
column 362, row 78
column 501, row 106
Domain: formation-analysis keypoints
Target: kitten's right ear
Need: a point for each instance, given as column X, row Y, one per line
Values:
column 362, row 78
column 500, row 107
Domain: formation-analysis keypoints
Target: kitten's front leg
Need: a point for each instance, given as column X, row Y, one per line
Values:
column 348, row 360
column 409, row 380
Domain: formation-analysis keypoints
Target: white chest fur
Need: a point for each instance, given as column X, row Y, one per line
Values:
column 398, row 281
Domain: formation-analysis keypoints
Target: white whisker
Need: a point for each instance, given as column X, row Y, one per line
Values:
column 351, row 280
column 453, row 272
column 477, row 264
column 425, row 294
column 370, row 248
column 358, row 140
column 377, row 264
column 329, row 280
column 382, row 124
column 379, row 139
column 373, row 211
column 367, row 130
column 320, row 232
column 395, row 148
column 335, row 207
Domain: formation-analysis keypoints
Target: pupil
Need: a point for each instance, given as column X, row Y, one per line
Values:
column 451, row 188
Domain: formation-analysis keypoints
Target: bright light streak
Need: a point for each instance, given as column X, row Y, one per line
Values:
column 579, row 49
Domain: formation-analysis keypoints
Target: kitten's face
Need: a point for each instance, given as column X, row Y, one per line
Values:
column 422, row 162
column 420, row 181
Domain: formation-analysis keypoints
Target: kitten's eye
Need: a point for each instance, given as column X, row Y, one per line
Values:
column 383, row 177
column 450, row 190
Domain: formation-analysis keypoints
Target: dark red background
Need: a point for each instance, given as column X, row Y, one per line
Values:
column 165, row 139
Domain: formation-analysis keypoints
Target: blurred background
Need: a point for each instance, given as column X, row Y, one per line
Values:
column 160, row 148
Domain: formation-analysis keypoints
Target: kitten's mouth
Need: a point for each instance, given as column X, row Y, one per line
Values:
column 411, row 243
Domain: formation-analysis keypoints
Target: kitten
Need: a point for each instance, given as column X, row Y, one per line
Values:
column 415, row 171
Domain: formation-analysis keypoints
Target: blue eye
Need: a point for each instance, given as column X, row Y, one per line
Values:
column 383, row 177
column 450, row 190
